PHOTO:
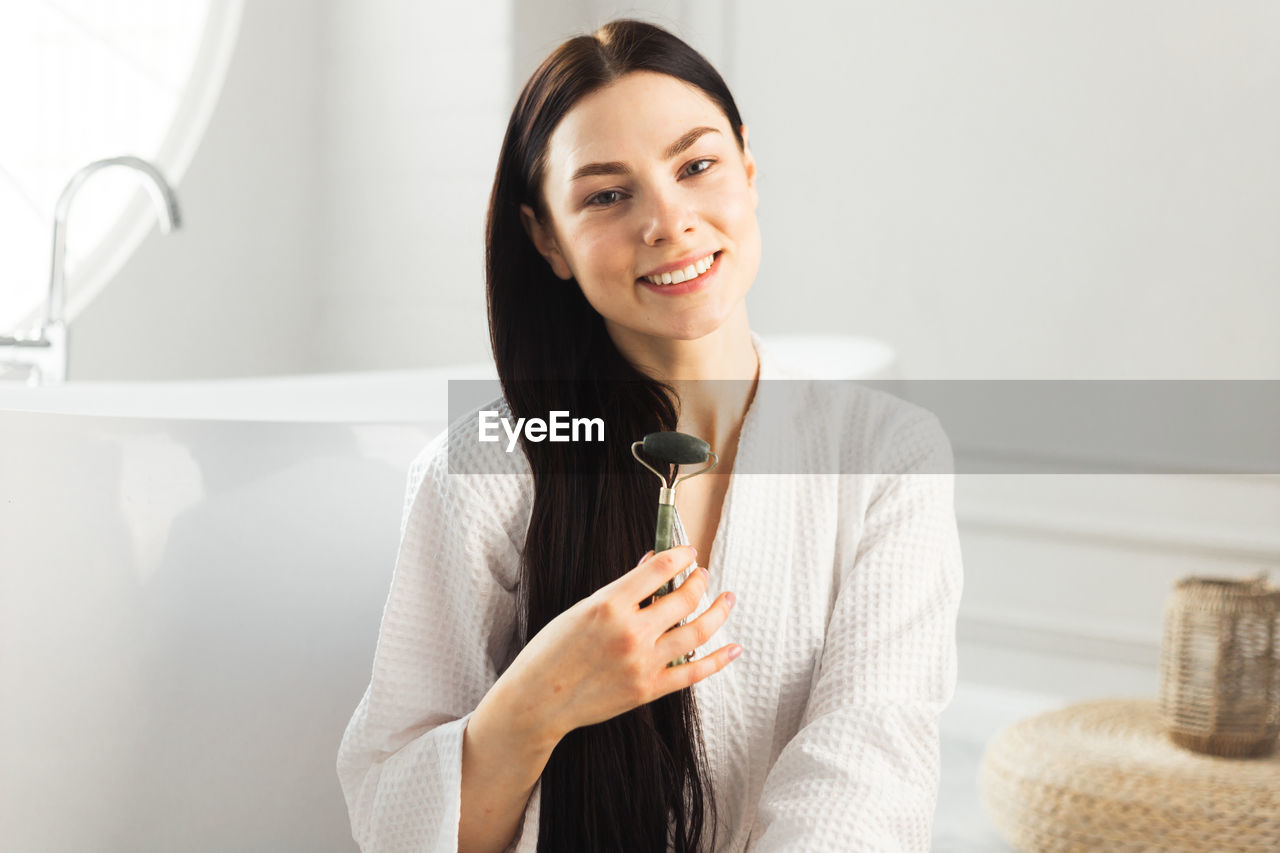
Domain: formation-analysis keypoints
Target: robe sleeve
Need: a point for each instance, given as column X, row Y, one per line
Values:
column 447, row 627
column 862, row 771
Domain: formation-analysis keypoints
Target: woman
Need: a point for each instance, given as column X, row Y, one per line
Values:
column 520, row 696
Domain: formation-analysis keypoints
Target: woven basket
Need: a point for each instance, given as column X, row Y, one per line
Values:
column 1220, row 666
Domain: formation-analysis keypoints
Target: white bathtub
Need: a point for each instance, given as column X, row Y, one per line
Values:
column 192, row 580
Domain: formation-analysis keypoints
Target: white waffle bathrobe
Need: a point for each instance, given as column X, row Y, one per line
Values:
column 822, row 736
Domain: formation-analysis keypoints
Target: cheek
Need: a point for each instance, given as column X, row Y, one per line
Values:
column 595, row 248
column 744, row 227
column 606, row 259
column 735, row 204
column 599, row 260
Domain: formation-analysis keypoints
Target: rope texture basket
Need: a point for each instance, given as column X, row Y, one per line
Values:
column 1103, row 776
column 1220, row 666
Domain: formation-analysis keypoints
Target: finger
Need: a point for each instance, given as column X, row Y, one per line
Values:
column 613, row 586
column 668, row 610
column 673, row 678
column 645, row 579
column 678, row 640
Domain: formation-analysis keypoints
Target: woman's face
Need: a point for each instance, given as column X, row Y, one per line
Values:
column 635, row 183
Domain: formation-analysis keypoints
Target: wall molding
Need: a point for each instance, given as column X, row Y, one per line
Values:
column 1137, row 534
column 1213, row 541
column 1046, row 637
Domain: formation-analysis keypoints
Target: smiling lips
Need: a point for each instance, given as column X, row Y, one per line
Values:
column 693, row 270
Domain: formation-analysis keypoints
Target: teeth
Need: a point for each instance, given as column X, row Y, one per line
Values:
column 693, row 270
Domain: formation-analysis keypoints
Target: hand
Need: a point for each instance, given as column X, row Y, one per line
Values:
column 606, row 654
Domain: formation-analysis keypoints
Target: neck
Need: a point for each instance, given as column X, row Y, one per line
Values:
column 715, row 376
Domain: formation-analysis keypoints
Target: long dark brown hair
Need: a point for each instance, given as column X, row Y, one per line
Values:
column 620, row 784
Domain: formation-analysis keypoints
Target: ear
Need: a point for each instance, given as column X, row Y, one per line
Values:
column 749, row 162
column 544, row 242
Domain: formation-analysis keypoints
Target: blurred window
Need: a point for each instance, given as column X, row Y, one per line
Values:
column 82, row 80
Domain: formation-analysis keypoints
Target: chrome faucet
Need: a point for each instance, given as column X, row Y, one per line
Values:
column 45, row 355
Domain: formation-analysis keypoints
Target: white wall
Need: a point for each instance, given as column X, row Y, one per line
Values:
column 416, row 100
column 1021, row 190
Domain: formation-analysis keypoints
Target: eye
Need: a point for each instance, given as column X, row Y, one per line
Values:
column 595, row 202
column 709, row 161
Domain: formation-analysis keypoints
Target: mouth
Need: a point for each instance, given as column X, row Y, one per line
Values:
column 703, row 271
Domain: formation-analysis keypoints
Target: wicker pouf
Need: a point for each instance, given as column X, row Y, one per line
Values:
column 1104, row 776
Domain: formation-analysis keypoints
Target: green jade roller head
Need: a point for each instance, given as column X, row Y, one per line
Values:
column 671, row 448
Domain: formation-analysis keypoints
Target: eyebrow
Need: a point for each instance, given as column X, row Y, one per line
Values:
column 617, row 168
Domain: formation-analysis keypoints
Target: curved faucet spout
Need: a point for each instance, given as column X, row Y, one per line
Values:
column 158, row 188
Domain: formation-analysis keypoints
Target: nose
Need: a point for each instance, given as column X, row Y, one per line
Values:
column 669, row 217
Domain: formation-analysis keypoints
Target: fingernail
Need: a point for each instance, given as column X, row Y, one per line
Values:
column 734, row 652
column 731, row 598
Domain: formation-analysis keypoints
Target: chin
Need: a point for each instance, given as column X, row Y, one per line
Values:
column 693, row 328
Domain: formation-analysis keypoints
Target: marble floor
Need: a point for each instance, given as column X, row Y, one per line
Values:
column 960, row 824
column 976, row 714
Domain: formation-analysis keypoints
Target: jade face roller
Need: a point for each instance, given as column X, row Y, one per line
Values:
column 671, row 448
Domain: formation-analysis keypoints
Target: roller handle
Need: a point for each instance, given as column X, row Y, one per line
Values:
column 664, row 539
